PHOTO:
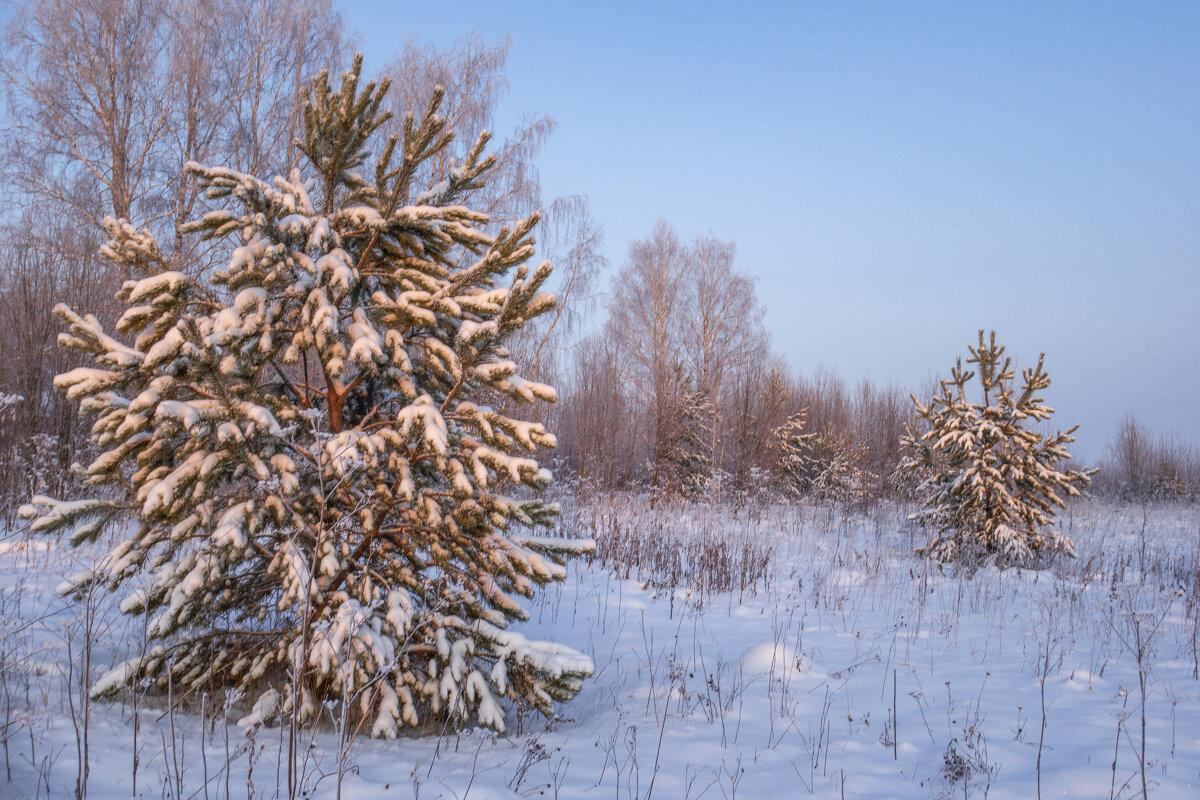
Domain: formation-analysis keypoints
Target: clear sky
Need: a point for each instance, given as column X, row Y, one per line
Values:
column 896, row 175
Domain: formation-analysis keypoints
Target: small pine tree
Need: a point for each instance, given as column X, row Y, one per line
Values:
column 323, row 492
column 681, row 463
column 824, row 466
column 791, row 451
column 689, row 458
column 833, row 470
column 989, row 483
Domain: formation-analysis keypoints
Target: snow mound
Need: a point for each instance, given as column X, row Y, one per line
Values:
column 461, row 786
column 774, row 658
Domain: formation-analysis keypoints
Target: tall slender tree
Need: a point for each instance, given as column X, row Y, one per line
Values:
column 645, row 317
column 725, row 333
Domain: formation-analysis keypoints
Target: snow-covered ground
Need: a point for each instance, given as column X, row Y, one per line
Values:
column 787, row 653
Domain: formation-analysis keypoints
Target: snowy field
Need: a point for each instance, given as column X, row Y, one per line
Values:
column 789, row 653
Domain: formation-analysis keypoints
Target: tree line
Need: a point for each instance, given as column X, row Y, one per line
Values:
column 680, row 393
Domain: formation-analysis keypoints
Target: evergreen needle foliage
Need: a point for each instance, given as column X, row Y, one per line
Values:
column 822, row 466
column 989, row 483
column 791, row 444
column 322, row 490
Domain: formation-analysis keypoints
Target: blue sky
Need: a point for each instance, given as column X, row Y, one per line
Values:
column 897, row 176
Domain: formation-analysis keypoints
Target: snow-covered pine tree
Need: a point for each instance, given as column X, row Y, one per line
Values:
column 323, row 496
column 791, row 448
column 689, row 457
column 825, row 466
column 833, row 471
column 989, row 482
column 680, row 463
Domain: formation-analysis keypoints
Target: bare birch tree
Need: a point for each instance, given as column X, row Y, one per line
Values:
column 121, row 94
column 89, row 96
column 106, row 101
column 596, row 415
column 645, row 318
column 725, row 330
